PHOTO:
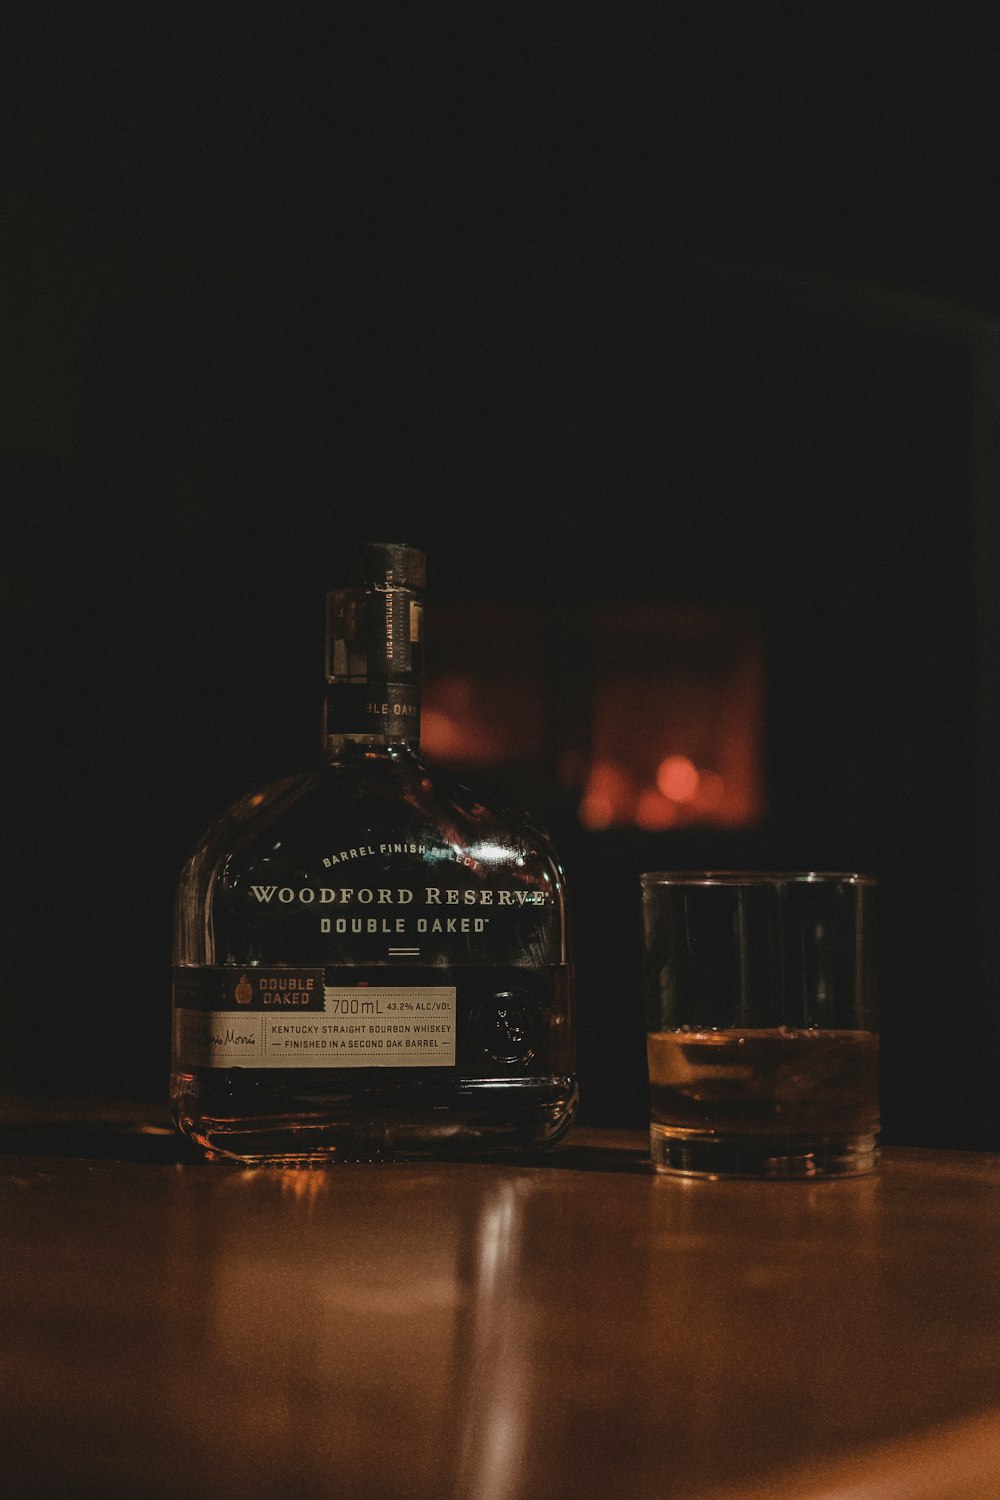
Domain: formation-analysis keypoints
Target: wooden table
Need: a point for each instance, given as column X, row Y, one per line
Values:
column 477, row 1331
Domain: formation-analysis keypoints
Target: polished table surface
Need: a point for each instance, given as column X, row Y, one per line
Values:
column 574, row 1326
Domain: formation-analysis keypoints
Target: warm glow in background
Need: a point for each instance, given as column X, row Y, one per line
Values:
column 653, row 714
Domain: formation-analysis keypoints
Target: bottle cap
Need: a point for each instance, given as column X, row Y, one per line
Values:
column 389, row 563
column 375, row 623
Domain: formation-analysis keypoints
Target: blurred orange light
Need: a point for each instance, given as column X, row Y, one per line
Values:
column 663, row 730
column 653, row 810
column 608, row 798
column 481, row 720
column 597, row 811
column 677, row 778
column 711, row 789
column 439, row 733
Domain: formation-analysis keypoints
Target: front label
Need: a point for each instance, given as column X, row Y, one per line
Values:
column 289, row 1018
column 369, row 903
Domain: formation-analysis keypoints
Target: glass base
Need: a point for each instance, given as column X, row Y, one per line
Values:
column 686, row 1153
column 296, row 1119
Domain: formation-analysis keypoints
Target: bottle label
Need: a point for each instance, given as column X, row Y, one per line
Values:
column 227, row 1017
column 391, row 709
column 382, row 902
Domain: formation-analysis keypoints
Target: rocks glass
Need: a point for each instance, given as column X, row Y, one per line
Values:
column 762, row 1036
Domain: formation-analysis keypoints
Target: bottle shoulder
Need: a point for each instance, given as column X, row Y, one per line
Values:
column 374, row 801
column 248, row 817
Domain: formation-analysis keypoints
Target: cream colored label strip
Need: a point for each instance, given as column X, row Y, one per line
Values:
column 357, row 1028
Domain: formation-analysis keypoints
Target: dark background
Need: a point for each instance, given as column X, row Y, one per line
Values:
column 677, row 302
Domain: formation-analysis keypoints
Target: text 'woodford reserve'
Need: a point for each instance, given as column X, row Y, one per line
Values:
column 432, row 895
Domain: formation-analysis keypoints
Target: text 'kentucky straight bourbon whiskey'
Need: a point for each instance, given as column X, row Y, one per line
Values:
column 370, row 960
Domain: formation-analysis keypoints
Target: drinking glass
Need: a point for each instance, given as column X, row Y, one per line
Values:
column 761, row 1023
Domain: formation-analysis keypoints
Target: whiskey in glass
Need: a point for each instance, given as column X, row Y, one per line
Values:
column 762, row 1043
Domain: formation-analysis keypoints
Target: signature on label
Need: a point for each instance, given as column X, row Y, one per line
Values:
column 232, row 1038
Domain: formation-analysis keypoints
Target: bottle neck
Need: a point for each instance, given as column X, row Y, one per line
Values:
column 376, row 713
column 374, row 653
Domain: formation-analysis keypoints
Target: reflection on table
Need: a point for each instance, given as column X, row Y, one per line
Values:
column 489, row 1331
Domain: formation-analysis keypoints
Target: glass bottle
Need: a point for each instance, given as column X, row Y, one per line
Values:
column 371, row 960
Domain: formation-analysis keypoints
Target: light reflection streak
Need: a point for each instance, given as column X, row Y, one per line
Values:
column 492, row 1461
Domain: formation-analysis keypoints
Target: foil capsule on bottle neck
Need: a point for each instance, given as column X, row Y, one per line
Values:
column 374, row 627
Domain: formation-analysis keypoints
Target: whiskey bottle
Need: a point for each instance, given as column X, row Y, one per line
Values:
column 370, row 960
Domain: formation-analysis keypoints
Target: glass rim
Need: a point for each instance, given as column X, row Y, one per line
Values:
column 755, row 877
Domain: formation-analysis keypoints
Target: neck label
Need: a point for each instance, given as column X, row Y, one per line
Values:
column 388, row 708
